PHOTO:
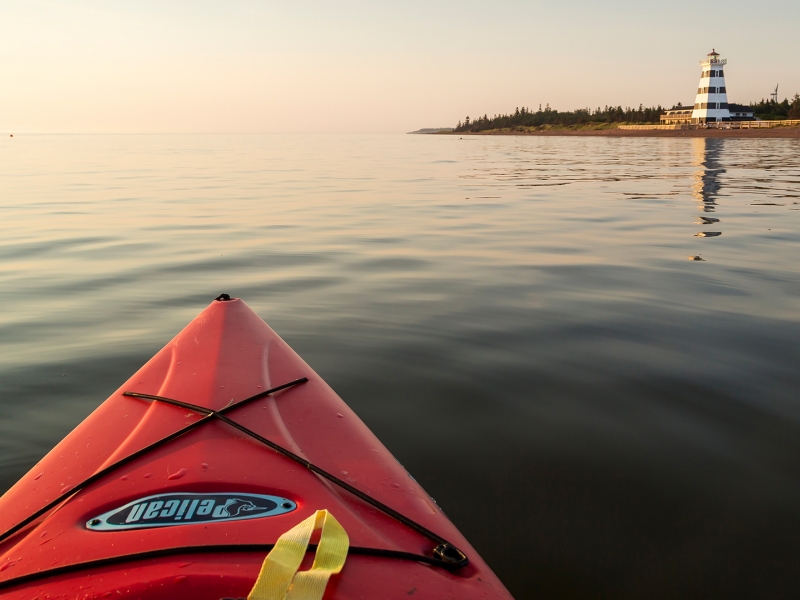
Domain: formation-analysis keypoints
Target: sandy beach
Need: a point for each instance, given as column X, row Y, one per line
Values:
column 773, row 132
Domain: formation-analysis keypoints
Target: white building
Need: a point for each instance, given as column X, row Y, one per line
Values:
column 740, row 112
column 711, row 103
column 677, row 116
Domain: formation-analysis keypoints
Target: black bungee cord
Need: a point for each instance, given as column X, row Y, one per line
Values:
column 445, row 554
column 445, row 551
column 123, row 461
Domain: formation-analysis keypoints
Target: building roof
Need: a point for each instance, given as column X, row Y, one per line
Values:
column 713, row 53
column 739, row 107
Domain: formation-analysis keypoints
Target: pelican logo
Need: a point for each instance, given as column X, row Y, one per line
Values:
column 167, row 510
column 234, row 506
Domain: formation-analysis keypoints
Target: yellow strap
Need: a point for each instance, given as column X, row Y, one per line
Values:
column 279, row 579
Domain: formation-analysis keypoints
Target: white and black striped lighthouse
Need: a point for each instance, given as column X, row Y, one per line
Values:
column 711, row 103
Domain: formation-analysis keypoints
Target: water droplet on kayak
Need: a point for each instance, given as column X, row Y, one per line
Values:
column 148, row 475
column 178, row 475
column 340, row 415
column 37, row 477
column 124, row 478
column 5, row 566
column 345, row 472
column 180, row 578
column 65, row 489
column 44, row 533
column 204, row 465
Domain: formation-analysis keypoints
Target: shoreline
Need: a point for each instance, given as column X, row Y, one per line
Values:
column 772, row 132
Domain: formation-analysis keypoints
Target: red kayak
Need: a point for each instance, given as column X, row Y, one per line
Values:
column 226, row 468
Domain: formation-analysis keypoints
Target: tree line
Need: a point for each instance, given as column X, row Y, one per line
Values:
column 525, row 117
column 770, row 110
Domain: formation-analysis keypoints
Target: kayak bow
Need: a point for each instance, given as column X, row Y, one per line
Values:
column 189, row 480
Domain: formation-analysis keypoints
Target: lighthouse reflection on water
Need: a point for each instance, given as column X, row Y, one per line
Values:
column 706, row 181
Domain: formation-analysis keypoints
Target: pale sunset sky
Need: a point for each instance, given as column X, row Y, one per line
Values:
column 113, row 66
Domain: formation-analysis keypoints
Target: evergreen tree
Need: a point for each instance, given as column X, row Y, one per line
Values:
column 794, row 109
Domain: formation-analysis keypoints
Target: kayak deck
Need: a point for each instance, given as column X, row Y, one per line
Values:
column 240, row 454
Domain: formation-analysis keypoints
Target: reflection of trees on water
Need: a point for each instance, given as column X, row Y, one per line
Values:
column 706, row 184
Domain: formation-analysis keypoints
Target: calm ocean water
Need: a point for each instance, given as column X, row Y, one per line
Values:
column 518, row 319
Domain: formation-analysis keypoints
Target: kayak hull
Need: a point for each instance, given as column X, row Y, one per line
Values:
column 198, row 513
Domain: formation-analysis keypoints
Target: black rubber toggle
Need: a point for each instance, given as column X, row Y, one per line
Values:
column 222, row 297
column 447, row 553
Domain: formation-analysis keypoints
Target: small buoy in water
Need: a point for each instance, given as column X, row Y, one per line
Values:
column 696, row 257
column 12, row 135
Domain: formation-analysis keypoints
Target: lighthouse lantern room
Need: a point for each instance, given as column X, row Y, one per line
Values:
column 711, row 103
